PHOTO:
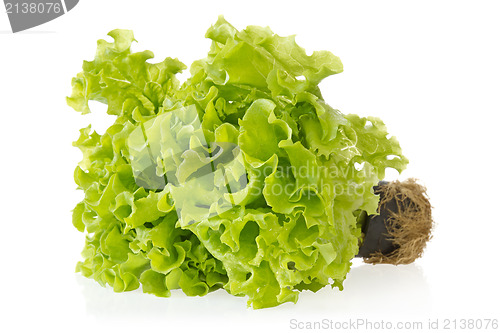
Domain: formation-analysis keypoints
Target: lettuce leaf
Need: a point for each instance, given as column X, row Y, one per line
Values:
column 241, row 178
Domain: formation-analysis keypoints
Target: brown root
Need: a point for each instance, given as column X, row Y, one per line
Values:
column 410, row 227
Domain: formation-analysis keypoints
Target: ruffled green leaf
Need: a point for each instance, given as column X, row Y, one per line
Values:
column 243, row 178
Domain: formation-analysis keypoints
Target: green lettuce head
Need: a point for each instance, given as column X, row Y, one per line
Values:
column 240, row 178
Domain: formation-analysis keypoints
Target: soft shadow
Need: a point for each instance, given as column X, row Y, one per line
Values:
column 104, row 303
column 368, row 290
column 379, row 289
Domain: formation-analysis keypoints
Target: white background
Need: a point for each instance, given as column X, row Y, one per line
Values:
column 429, row 69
